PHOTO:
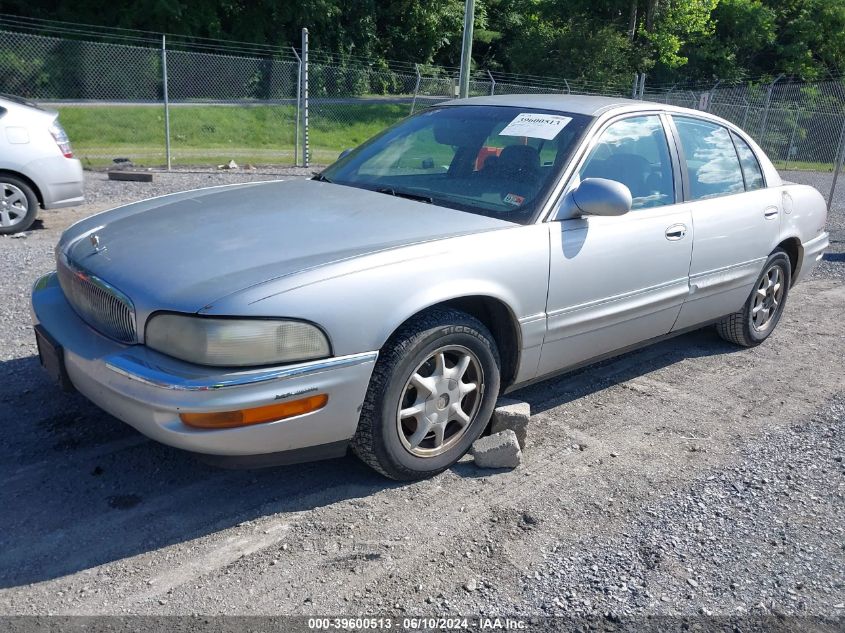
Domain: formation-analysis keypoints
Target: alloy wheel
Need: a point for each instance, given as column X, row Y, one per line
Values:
column 13, row 205
column 439, row 401
column 767, row 299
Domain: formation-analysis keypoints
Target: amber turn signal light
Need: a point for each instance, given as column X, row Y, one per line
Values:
column 259, row 415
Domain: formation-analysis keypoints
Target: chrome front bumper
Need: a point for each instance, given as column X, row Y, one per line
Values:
column 148, row 390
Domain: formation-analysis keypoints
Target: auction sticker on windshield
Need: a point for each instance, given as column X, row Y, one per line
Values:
column 545, row 126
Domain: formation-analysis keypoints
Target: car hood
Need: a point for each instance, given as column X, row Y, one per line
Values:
column 183, row 251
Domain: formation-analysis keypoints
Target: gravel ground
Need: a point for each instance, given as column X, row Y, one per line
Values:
column 684, row 479
column 782, row 506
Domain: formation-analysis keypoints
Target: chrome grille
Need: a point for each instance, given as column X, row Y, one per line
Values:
column 102, row 306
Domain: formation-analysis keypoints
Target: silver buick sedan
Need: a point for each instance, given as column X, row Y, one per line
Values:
column 387, row 302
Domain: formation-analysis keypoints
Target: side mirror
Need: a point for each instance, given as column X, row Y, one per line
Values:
column 595, row 196
column 345, row 153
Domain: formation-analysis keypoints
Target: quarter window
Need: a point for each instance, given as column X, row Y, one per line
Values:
column 750, row 167
column 635, row 152
column 712, row 162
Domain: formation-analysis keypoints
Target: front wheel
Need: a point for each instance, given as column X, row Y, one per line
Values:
column 432, row 393
column 757, row 319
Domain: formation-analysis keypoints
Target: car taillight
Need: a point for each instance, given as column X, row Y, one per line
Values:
column 60, row 136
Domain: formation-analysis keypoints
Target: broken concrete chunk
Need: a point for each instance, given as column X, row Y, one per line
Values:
column 513, row 415
column 500, row 450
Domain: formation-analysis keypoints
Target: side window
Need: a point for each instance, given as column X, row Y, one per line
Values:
column 635, row 152
column 750, row 167
column 712, row 163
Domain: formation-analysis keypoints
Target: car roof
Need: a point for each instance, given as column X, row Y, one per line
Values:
column 595, row 106
column 578, row 104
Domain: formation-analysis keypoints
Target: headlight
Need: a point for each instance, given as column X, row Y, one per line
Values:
column 235, row 342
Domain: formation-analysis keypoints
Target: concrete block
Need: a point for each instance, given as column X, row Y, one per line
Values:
column 500, row 450
column 513, row 415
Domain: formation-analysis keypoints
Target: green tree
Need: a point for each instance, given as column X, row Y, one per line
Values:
column 810, row 40
column 745, row 32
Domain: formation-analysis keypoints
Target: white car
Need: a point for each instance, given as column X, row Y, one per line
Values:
column 37, row 167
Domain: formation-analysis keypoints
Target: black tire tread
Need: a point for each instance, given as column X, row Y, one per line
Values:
column 732, row 327
column 363, row 443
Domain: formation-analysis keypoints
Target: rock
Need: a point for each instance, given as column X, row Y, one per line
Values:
column 514, row 415
column 500, row 450
column 692, row 583
column 470, row 585
column 581, row 441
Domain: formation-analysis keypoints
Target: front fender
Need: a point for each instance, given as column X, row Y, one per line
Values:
column 360, row 303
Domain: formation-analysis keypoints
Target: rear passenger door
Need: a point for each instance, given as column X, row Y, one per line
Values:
column 735, row 217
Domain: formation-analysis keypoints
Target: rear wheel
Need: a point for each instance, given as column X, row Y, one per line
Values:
column 433, row 390
column 18, row 205
column 757, row 319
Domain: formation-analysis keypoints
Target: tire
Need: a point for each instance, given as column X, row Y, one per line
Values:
column 414, row 392
column 18, row 205
column 758, row 318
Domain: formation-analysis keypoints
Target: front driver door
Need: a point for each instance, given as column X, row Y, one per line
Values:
column 617, row 281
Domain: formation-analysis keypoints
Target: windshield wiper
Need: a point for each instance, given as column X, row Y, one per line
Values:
column 405, row 194
column 321, row 178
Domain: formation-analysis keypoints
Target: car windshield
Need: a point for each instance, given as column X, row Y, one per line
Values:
column 491, row 160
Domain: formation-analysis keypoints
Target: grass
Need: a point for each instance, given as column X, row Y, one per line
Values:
column 258, row 134
column 802, row 165
column 207, row 134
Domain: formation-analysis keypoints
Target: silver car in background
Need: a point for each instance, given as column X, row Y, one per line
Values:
column 387, row 302
column 37, row 167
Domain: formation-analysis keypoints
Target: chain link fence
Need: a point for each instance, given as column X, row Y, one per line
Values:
column 799, row 125
column 223, row 101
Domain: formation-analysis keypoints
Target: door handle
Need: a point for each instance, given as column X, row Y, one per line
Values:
column 770, row 213
column 676, row 232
